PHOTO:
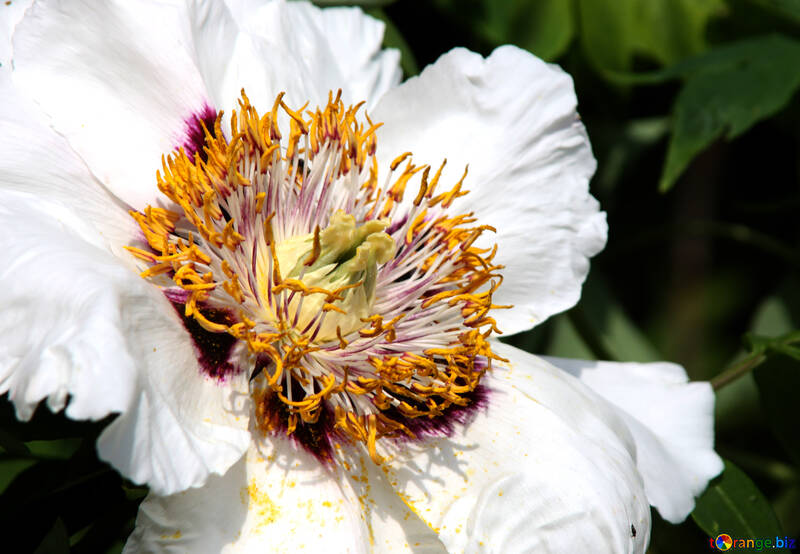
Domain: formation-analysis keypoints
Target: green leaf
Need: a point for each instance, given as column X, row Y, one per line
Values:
column 779, row 314
column 607, row 30
column 566, row 342
column 10, row 469
column 544, row 27
column 672, row 30
column 726, row 93
column 56, row 541
column 778, row 380
column 663, row 30
column 721, row 59
column 549, row 27
column 61, row 449
column 393, row 38
column 733, row 504
column 627, row 145
column 787, row 8
column 604, row 326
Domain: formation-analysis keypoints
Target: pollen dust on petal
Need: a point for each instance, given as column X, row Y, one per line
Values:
column 260, row 504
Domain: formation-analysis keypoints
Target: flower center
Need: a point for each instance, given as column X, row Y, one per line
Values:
column 343, row 257
column 359, row 313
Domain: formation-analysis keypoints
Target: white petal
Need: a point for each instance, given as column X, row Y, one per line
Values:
column 182, row 425
column 672, row 422
column 393, row 525
column 197, row 520
column 36, row 160
column 512, row 119
column 280, row 499
column 78, row 324
column 547, row 466
column 10, row 14
column 214, row 37
column 292, row 47
column 355, row 39
column 116, row 80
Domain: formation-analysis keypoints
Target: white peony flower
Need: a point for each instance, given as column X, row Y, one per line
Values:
column 294, row 319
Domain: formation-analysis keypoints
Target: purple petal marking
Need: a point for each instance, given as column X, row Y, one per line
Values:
column 213, row 349
column 445, row 425
column 315, row 438
column 194, row 136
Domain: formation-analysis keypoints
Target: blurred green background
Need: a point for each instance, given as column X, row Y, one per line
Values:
column 692, row 113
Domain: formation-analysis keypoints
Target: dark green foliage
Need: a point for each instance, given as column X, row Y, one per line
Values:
column 56, row 495
column 726, row 92
column 732, row 504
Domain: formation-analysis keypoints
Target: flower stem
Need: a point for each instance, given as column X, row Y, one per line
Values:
column 737, row 370
column 761, row 348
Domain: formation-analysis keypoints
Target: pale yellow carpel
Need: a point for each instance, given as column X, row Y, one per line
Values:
column 348, row 255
